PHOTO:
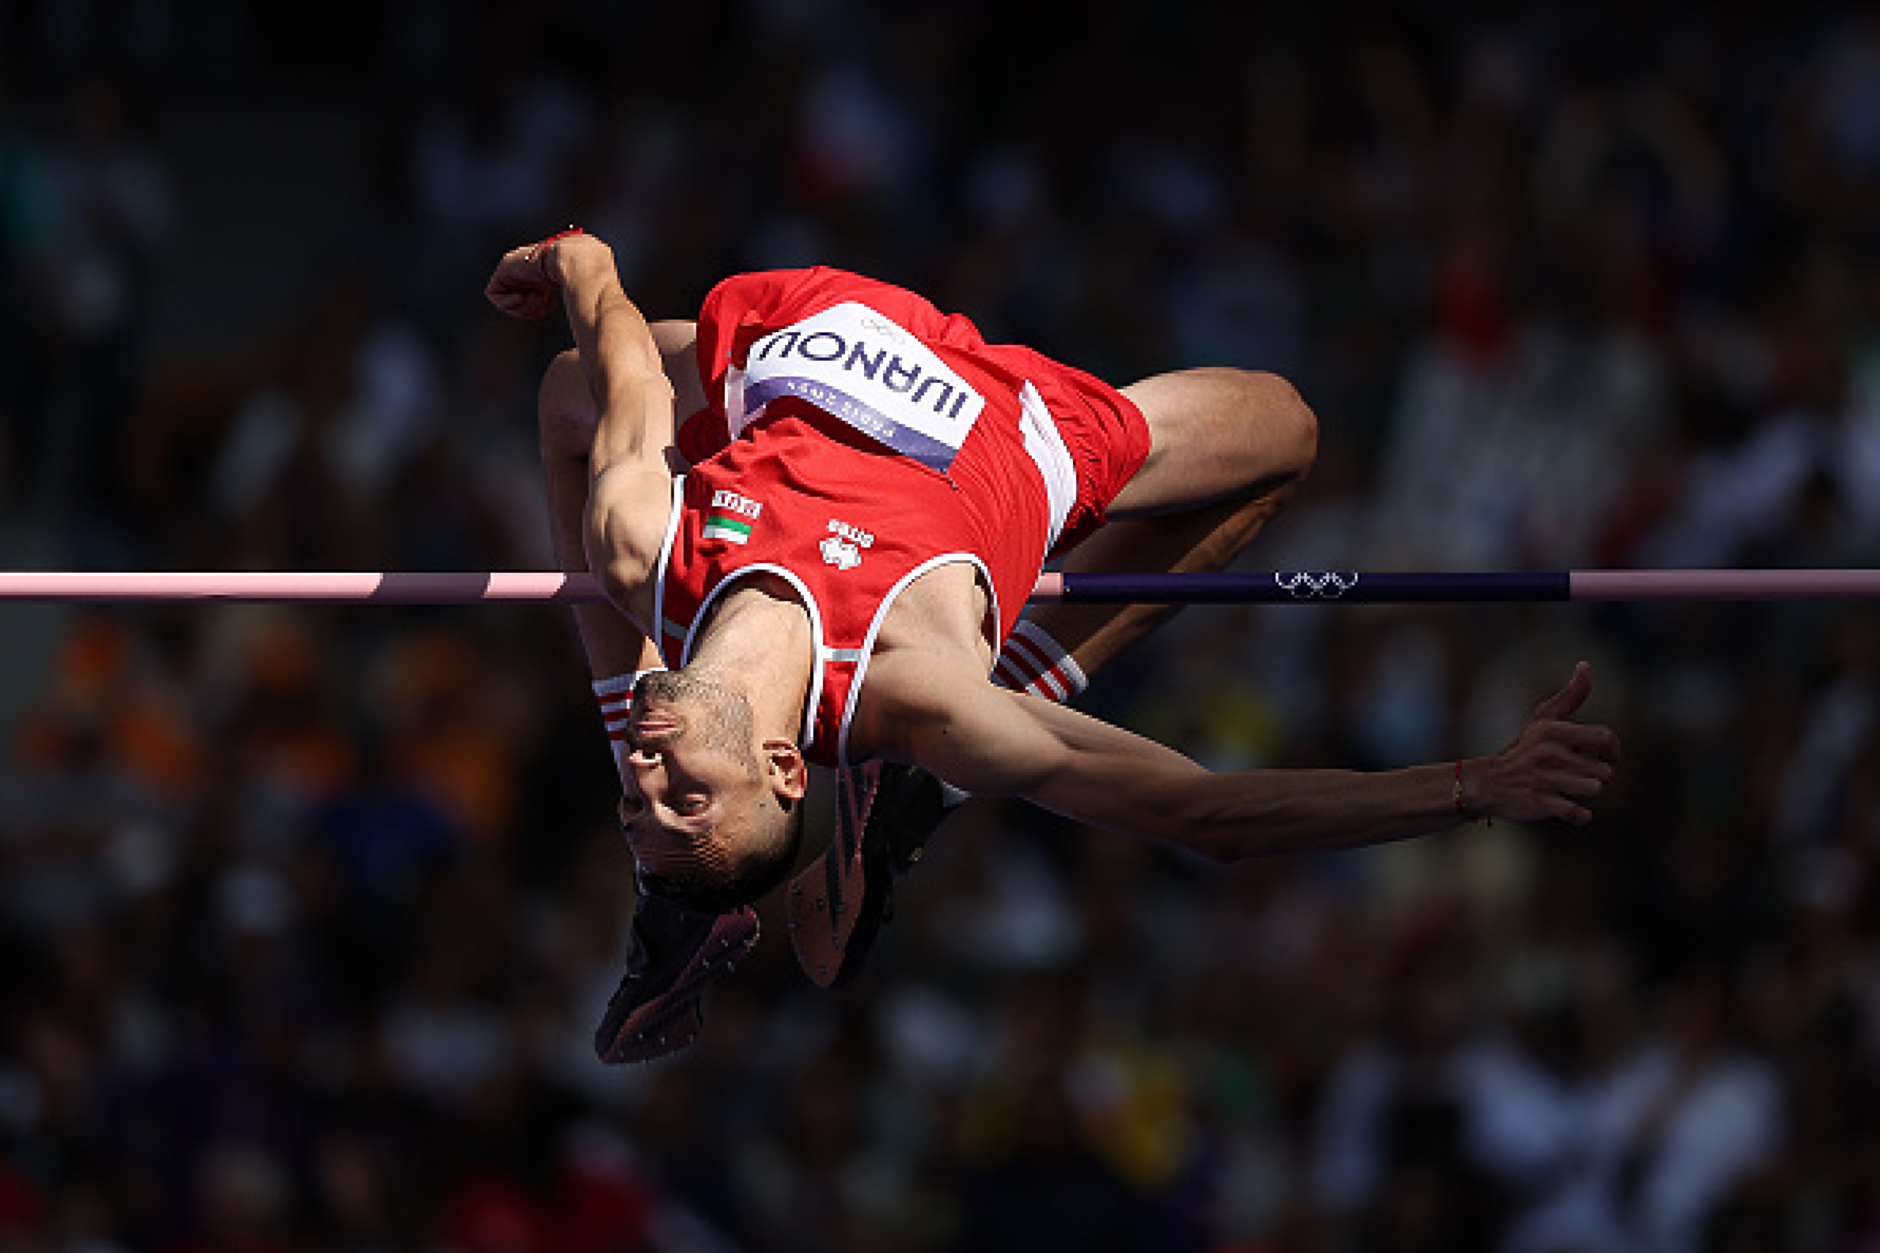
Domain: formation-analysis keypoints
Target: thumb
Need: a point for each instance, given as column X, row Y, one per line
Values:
column 1565, row 702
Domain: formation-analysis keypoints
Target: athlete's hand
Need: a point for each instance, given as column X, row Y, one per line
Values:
column 524, row 284
column 1553, row 768
column 520, row 287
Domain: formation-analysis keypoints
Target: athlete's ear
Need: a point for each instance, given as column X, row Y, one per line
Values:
column 787, row 771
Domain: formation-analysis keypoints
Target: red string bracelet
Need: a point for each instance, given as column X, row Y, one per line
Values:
column 539, row 250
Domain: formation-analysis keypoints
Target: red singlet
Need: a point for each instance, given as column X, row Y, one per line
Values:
column 854, row 438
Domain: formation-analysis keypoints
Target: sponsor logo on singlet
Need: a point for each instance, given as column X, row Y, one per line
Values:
column 859, row 366
column 842, row 547
column 731, row 516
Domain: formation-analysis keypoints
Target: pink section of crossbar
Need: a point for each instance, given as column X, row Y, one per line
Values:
column 1616, row 585
column 121, row 587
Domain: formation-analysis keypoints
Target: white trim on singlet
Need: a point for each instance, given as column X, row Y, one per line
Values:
column 874, row 628
column 658, row 624
column 823, row 652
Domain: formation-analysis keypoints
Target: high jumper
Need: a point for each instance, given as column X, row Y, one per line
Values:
column 817, row 511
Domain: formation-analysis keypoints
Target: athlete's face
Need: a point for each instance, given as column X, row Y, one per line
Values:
column 691, row 777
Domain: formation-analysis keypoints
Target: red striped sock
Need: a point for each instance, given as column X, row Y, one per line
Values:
column 1032, row 661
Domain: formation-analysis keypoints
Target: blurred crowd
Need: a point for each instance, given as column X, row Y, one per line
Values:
column 307, row 916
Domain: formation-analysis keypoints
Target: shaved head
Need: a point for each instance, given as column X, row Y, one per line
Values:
column 710, row 833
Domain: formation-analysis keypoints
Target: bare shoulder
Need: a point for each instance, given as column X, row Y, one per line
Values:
column 908, row 689
column 952, row 719
column 931, row 649
column 945, row 609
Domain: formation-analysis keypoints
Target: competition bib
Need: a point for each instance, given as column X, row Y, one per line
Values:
column 859, row 366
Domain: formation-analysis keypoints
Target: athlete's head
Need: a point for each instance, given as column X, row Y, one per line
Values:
column 713, row 813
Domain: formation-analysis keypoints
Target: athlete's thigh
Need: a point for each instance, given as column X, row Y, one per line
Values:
column 1215, row 434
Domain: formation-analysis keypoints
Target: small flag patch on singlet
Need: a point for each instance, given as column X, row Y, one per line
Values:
column 725, row 527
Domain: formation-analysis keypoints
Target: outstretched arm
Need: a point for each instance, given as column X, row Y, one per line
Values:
column 989, row 741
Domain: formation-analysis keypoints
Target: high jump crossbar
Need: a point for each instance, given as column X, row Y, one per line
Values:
column 1278, row 587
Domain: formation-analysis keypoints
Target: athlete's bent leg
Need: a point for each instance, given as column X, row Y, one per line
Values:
column 1217, row 434
column 1227, row 448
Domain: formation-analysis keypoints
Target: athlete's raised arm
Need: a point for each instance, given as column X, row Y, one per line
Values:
column 990, row 741
column 629, row 477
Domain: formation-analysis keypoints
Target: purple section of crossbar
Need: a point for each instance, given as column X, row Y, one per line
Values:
column 1302, row 587
column 1308, row 587
column 1287, row 587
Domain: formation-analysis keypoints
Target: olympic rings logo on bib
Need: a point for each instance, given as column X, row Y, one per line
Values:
column 860, row 367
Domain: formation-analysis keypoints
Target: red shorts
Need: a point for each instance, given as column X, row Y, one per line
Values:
column 1103, row 430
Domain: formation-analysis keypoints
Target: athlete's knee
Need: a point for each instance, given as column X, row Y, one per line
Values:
column 1296, row 426
column 1282, row 432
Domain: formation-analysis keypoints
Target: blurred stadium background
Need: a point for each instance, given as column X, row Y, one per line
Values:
column 306, row 916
